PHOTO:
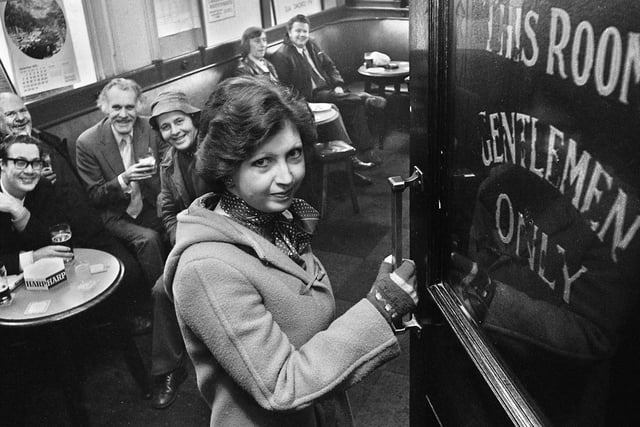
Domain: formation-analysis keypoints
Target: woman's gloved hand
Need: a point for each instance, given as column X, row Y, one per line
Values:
column 394, row 292
column 472, row 284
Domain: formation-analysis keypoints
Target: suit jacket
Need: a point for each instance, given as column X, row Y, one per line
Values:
column 45, row 211
column 293, row 69
column 99, row 164
column 69, row 186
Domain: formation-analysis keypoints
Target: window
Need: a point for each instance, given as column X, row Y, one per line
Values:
column 52, row 46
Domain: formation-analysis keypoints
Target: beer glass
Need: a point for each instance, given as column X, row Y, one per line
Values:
column 61, row 235
column 5, row 292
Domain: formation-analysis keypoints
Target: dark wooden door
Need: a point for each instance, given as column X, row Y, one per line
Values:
column 525, row 122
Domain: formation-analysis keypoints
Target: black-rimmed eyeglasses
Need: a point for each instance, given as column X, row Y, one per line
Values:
column 21, row 164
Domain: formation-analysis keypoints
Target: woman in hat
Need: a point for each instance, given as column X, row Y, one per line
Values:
column 176, row 120
column 255, row 305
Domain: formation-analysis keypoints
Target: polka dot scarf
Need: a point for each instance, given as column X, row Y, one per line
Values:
column 290, row 230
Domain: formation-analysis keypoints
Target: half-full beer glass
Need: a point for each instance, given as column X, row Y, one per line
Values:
column 61, row 235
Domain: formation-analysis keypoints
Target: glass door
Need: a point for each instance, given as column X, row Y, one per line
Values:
column 525, row 116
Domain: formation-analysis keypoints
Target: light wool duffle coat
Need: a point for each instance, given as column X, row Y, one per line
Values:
column 261, row 330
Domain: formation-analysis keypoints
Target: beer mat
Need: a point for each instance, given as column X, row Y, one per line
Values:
column 97, row 268
column 38, row 307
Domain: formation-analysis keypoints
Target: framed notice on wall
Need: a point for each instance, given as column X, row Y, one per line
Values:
column 285, row 9
column 39, row 45
column 225, row 20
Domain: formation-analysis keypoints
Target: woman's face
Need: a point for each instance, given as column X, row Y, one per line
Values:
column 177, row 129
column 258, row 46
column 269, row 178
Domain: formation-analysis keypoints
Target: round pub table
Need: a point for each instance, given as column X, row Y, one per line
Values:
column 66, row 299
column 381, row 76
column 47, row 308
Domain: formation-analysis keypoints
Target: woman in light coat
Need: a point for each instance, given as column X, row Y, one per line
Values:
column 255, row 305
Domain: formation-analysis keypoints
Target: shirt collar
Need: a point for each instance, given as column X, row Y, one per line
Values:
column 119, row 137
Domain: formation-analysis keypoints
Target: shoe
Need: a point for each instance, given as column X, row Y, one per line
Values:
column 139, row 324
column 165, row 388
column 359, row 165
column 376, row 102
column 373, row 155
column 361, row 180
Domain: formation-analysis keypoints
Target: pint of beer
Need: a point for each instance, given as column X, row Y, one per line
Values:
column 61, row 235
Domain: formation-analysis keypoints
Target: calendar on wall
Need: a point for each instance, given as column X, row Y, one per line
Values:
column 39, row 45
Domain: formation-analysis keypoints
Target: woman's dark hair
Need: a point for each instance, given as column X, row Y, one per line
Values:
column 9, row 140
column 244, row 112
column 249, row 33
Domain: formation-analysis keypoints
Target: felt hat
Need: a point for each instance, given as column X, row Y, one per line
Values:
column 169, row 101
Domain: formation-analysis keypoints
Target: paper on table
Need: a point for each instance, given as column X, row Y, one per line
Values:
column 97, row 268
column 38, row 307
column 317, row 107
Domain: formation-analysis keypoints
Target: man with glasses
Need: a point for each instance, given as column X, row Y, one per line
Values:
column 15, row 119
column 25, row 236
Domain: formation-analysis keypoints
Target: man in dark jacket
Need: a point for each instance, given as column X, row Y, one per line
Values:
column 303, row 65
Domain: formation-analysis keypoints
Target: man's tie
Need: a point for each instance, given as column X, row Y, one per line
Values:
column 135, row 204
column 316, row 78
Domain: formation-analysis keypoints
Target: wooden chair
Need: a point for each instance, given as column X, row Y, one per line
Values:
column 335, row 152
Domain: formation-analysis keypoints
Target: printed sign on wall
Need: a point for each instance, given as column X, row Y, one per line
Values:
column 225, row 20
column 218, row 10
column 285, row 9
column 39, row 44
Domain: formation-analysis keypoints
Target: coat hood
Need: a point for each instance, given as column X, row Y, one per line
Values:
column 198, row 223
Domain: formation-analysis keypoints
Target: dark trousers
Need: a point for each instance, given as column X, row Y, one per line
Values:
column 167, row 349
column 143, row 236
column 353, row 111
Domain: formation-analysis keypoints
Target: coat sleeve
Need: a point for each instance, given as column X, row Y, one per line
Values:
column 224, row 310
column 167, row 206
column 102, row 193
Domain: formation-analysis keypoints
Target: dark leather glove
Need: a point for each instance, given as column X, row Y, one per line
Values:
column 472, row 284
column 394, row 292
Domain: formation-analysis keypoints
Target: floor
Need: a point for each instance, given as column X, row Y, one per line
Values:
column 350, row 246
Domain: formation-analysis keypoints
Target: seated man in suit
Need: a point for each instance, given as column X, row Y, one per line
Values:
column 303, row 65
column 67, row 186
column 254, row 63
column 122, row 187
